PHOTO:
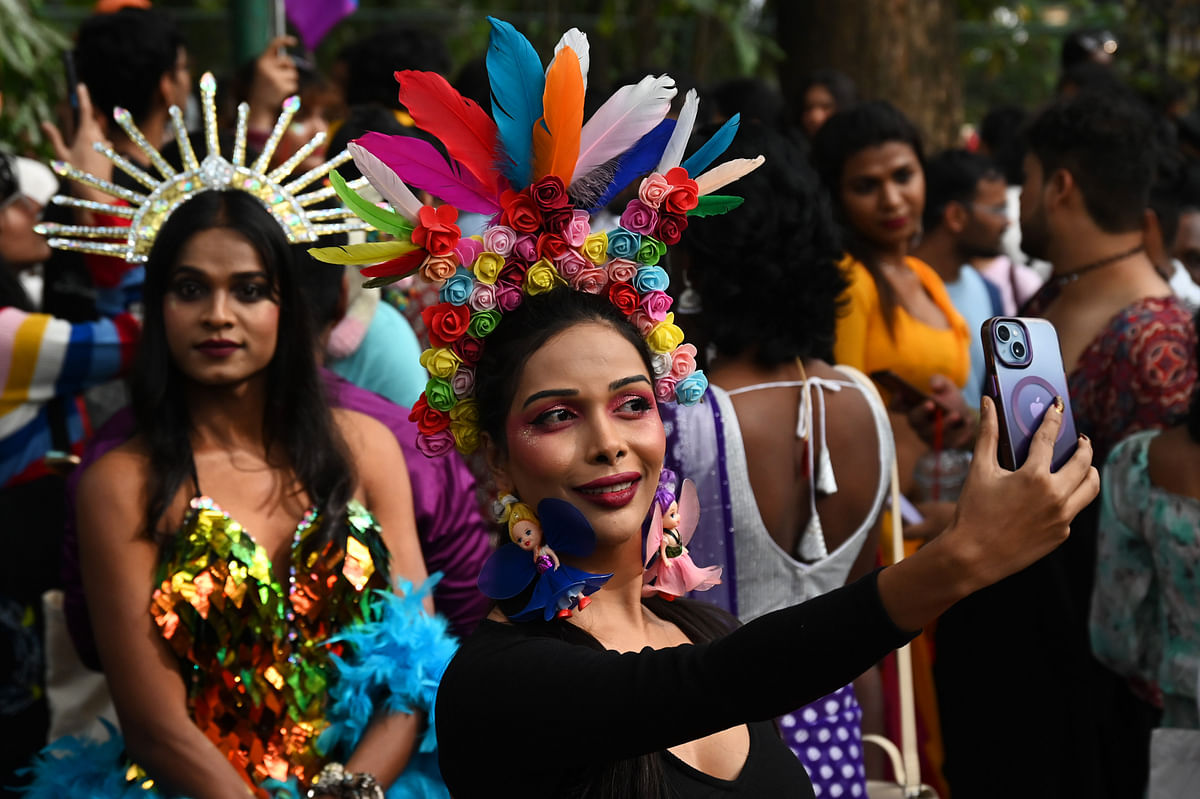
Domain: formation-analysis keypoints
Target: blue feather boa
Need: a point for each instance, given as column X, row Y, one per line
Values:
column 394, row 661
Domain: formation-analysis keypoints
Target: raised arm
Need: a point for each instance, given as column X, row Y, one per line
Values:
column 118, row 562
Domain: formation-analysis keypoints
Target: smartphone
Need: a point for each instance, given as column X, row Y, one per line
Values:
column 68, row 59
column 1023, row 373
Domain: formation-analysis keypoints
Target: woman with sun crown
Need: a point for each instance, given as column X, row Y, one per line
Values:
column 553, row 347
column 239, row 551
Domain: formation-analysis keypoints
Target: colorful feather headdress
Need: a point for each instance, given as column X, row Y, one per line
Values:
column 148, row 212
column 538, row 172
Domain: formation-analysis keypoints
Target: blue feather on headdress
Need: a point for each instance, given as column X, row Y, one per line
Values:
column 518, row 82
column 713, row 148
column 639, row 160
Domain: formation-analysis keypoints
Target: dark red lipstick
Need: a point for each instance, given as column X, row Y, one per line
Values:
column 218, row 347
column 611, row 491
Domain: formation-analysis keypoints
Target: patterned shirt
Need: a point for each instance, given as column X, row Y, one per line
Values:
column 1145, row 618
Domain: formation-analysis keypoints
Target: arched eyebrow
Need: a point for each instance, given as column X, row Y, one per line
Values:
column 571, row 392
column 625, row 381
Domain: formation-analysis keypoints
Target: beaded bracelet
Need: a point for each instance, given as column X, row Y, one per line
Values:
column 335, row 781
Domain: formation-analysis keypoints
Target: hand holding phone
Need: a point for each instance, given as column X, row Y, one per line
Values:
column 1024, row 376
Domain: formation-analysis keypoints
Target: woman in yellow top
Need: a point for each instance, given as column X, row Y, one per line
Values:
column 896, row 315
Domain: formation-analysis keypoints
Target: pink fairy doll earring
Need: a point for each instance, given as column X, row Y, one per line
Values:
column 670, row 571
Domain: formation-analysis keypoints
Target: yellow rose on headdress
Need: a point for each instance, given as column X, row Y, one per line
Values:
column 466, row 411
column 542, row 277
column 466, row 436
column 665, row 336
column 488, row 266
column 440, row 362
column 595, row 248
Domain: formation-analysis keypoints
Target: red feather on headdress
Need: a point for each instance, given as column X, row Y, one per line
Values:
column 463, row 128
column 556, row 135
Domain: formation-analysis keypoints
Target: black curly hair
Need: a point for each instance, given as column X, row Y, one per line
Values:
column 767, row 272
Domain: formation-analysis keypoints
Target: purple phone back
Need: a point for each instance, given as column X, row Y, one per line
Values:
column 1024, row 393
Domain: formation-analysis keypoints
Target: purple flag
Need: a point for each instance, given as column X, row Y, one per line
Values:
column 314, row 18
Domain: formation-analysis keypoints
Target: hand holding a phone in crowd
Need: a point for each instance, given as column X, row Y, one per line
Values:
column 81, row 152
column 959, row 422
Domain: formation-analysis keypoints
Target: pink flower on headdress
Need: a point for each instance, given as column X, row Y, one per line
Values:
column 500, row 240
column 520, row 211
column 525, row 248
column 436, row 231
column 468, row 250
column 578, row 229
column 670, row 227
column 592, row 280
column 683, row 361
column 664, row 389
column 639, row 217
column 435, row 445
column 656, row 304
column 642, row 321
column 684, row 194
column 438, row 268
column 570, row 263
column 621, row 270
column 508, row 296
column 550, row 193
column 654, row 187
column 483, row 297
column 463, row 382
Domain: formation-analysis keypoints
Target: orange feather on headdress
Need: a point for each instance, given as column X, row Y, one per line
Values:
column 556, row 135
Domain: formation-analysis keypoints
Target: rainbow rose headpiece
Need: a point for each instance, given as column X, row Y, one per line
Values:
column 538, row 172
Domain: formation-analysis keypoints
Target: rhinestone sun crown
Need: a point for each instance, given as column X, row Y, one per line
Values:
column 148, row 212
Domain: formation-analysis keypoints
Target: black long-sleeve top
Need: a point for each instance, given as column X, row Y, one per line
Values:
column 533, row 710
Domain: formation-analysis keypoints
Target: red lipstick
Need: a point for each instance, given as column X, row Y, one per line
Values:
column 611, row 491
column 896, row 224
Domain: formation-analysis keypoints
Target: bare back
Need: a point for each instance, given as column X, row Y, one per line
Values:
column 778, row 461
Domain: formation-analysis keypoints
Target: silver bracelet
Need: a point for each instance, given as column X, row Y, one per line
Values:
column 335, row 781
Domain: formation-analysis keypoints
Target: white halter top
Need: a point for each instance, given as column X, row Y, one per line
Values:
column 768, row 577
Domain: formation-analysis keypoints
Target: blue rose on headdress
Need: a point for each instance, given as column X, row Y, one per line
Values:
column 623, row 243
column 689, row 390
column 458, row 287
column 651, row 278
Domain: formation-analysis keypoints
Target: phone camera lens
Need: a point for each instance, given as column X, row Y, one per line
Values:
column 1018, row 350
column 1002, row 333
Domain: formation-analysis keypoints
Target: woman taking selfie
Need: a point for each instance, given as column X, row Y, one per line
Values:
column 552, row 351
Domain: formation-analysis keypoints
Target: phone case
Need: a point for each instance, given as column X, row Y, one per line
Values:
column 1023, row 393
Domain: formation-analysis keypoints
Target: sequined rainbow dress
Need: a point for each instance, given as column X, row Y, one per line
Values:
column 282, row 675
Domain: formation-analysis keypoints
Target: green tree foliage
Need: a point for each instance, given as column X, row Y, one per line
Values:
column 31, row 74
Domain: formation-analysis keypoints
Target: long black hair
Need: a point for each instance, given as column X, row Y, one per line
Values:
column 844, row 135
column 767, row 272
column 298, row 428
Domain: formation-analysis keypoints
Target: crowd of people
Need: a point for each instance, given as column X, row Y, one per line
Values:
column 480, row 516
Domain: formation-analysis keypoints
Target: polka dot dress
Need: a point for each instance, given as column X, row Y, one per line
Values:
column 827, row 737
